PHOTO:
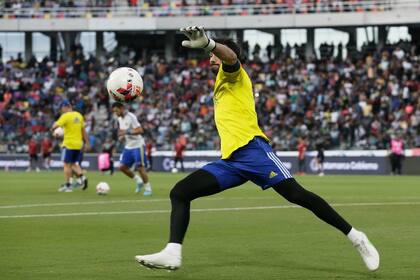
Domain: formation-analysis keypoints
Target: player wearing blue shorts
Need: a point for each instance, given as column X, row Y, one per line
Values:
column 246, row 156
column 74, row 137
column 134, row 153
column 75, row 180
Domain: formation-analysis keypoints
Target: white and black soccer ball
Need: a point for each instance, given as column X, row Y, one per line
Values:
column 102, row 188
column 124, row 84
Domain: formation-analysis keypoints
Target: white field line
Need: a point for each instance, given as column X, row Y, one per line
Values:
column 206, row 210
column 121, row 201
column 76, row 203
column 79, row 203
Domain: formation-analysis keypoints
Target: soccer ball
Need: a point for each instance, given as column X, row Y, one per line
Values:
column 174, row 170
column 58, row 132
column 102, row 188
column 124, row 84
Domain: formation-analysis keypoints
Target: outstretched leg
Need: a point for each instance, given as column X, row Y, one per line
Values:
column 198, row 184
column 295, row 193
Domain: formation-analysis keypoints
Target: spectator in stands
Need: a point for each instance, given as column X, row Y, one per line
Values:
column 132, row 3
column 353, row 103
column 202, row 7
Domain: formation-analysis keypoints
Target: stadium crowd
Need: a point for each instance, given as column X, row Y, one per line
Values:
column 268, row 6
column 357, row 103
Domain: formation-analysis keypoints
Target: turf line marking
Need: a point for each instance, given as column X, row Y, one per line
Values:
column 119, row 201
column 77, row 203
column 204, row 210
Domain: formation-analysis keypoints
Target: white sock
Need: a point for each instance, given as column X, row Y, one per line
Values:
column 79, row 180
column 354, row 235
column 138, row 179
column 173, row 249
column 147, row 186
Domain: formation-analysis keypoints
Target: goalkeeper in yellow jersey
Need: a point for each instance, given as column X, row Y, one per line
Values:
column 246, row 156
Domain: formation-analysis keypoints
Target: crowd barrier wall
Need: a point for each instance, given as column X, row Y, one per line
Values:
column 336, row 162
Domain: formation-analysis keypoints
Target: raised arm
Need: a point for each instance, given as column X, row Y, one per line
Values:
column 225, row 54
column 198, row 39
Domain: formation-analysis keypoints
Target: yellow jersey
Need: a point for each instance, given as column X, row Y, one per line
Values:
column 73, row 123
column 234, row 110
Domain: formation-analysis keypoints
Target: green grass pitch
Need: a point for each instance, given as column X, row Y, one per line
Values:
column 243, row 233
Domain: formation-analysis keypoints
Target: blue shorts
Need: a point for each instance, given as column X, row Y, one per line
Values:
column 71, row 156
column 254, row 162
column 136, row 156
column 80, row 158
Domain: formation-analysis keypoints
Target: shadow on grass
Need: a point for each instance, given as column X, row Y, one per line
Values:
column 261, row 270
column 336, row 273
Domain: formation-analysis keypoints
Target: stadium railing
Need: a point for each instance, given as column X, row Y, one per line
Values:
column 210, row 10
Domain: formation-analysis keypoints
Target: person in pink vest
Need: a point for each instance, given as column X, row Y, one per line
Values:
column 105, row 160
column 397, row 154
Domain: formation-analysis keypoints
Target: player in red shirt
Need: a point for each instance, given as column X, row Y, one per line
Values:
column 301, row 155
column 33, row 155
column 46, row 147
column 179, row 154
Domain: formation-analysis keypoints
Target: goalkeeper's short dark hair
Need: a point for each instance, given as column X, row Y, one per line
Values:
column 232, row 45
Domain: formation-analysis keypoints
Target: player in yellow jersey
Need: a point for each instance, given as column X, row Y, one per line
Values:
column 246, row 156
column 74, row 137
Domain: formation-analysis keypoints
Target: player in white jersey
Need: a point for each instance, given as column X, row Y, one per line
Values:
column 134, row 149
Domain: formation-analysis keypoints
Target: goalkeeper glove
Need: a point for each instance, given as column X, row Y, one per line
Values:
column 197, row 39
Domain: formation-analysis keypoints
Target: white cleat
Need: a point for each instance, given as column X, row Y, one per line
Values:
column 161, row 260
column 368, row 252
column 147, row 193
column 65, row 189
column 139, row 186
